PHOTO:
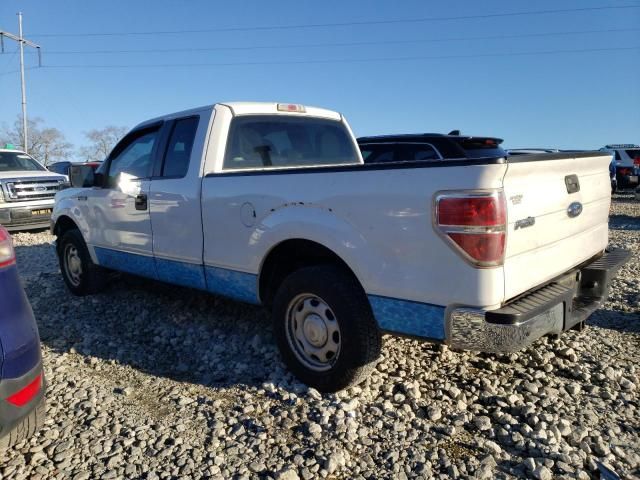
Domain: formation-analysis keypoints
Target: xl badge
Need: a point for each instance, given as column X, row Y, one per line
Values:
column 574, row 209
column 525, row 222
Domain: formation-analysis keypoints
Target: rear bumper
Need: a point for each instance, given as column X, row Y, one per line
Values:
column 628, row 180
column 551, row 309
column 12, row 415
column 25, row 217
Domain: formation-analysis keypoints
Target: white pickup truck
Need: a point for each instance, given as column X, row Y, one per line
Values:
column 27, row 190
column 271, row 204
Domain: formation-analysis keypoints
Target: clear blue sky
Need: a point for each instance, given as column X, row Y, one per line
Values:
column 581, row 99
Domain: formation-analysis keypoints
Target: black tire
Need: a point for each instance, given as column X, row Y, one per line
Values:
column 27, row 427
column 92, row 278
column 360, row 339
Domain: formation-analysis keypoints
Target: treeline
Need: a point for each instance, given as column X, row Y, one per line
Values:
column 49, row 145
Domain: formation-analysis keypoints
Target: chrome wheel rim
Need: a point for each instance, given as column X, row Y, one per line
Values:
column 73, row 265
column 313, row 332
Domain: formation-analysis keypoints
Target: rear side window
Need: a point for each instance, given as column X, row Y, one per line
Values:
column 617, row 155
column 481, row 147
column 418, row 151
column 633, row 154
column 176, row 159
column 280, row 141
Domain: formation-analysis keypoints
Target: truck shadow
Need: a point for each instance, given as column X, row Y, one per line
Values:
column 615, row 320
column 624, row 222
column 164, row 330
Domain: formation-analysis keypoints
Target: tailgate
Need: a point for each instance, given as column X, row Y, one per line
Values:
column 547, row 233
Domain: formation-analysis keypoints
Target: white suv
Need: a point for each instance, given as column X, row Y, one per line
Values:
column 627, row 159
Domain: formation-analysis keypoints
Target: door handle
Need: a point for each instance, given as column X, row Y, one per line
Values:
column 141, row 202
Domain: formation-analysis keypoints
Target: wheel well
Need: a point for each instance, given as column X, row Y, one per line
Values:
column 63, row 225
column 289, row 256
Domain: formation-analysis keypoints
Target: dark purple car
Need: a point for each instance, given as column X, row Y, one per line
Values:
column 21, row 376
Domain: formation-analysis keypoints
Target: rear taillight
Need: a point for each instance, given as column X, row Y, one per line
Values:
column 7, row 255
column 26, row 394
column 474, row 224
column 624, row 171
column 636, row 161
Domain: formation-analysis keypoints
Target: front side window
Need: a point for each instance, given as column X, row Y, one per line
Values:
column 18, row 162
column 176, row 160
column 134, row 158
column 279, row 141
column 378, row 153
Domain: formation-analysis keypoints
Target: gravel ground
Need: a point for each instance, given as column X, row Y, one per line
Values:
column 153, row 381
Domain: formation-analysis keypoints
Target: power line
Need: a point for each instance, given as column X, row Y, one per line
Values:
column 352, row 60
column 342, row 24
column 11, row 57
column 338, row 44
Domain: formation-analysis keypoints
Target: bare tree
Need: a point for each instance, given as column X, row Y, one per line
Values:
column 47, row 145
column 102, row 142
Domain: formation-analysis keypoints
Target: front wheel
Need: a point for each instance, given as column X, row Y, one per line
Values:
column 81, row 275
column 325, row 328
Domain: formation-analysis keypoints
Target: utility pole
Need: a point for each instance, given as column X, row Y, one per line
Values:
column 22, row 42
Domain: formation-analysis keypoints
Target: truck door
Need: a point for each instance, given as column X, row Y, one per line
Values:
column 175, row 202
column 119, row 220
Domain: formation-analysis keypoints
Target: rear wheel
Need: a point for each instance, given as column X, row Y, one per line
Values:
column 81, row 275
column 27, row 427
column 325, row 328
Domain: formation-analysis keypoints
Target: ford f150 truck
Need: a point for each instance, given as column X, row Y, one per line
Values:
column 271, row 204
column 26, row 191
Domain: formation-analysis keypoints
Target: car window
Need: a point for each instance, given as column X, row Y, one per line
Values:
column 60, row 167
column 16, row 161
column 176, row 159
column 378, row 153
column 617, row 154
column 277, row 141
column 418, row 151
column 634, row 153
column 134, row 158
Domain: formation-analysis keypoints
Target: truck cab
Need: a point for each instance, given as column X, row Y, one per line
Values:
column 27, row 191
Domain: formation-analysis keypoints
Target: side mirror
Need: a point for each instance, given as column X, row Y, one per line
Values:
column 82, row 176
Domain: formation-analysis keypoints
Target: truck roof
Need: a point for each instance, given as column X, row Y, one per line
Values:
column 404, row 137
column 251, row 108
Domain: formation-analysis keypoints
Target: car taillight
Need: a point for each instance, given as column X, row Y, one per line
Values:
column 7, row 255
column 624, row 171
column 636, row 161
column 26, row 394
column 474, row 224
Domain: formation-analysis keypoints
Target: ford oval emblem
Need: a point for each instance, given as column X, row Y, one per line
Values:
column 574, row 209
column 40, row 189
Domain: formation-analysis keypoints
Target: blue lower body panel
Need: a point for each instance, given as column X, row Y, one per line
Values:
column 233, row 284
column 406, row 317
column 221, row 281
column 134, row 263
column 181, row 273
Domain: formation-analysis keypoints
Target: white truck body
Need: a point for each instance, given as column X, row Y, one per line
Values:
column 27, row 191
column 215, row 227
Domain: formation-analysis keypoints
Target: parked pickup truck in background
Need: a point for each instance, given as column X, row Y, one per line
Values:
column 26, row 191
column 271, row 204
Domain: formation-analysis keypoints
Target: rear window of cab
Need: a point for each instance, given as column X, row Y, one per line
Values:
column 284, row 141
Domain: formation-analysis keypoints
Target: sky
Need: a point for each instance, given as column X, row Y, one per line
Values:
column 558, row 79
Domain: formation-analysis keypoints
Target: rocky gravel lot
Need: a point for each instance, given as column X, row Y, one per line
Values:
column 153, row 381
